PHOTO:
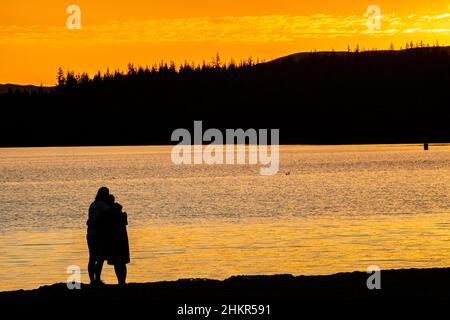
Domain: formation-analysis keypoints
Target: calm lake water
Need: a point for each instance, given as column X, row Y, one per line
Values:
column 330, row 209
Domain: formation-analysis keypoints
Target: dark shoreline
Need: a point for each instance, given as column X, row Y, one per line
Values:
column 396, row 285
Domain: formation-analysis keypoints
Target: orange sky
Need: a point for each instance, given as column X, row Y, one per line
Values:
column 34, row 39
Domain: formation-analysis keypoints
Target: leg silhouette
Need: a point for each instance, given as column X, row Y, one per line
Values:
column 91, row 269
column 121, row 273
column 98, row 270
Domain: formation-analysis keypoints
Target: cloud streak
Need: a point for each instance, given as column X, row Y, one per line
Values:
column 269, row 28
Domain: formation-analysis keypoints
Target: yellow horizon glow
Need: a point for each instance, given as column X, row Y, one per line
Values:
column 34, row 40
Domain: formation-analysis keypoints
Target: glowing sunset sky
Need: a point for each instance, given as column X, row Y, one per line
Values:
column 34, row 39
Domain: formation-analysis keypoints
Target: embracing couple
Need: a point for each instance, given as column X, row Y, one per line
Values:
column 107, row 237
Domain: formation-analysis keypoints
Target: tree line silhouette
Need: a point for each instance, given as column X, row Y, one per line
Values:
column 318, row 97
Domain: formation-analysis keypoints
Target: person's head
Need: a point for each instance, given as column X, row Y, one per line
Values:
column 110, row 200
column 118, row 206
column 102, row 194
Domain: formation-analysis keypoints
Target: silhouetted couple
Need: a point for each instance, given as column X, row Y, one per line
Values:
column 107, row 237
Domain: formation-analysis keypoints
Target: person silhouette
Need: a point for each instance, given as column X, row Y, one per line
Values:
column 95, row 239
column 116, row 239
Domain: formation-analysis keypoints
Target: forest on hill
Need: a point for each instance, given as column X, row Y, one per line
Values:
column 313, row 98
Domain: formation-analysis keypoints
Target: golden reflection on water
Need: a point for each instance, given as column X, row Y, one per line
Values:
column 341, row 208
column 298, row 246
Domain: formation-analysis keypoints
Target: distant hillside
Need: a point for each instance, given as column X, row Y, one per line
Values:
column 4, row 88
column 296, row 57
column 313, row 98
